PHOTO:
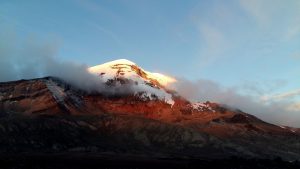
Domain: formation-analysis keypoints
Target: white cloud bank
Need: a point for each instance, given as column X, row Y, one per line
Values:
column 34, row 58
column 283, row 112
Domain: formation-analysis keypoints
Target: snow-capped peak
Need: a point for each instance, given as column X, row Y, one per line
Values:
column 150, row 84
column 115, row 69
column 119, row 61
column 128, row 69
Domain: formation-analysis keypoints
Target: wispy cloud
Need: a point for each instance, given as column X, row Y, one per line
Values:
column 210, row 28
column 293, row 30
column 282, row 96
column 214, row 43
column 108, row 32
column 261, row 10
column 213, row 37
column 275, row 15
column 281, row 112
column 260, row 88
column 295, row 55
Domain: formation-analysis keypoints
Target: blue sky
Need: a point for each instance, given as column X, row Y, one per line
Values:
column 252, row 45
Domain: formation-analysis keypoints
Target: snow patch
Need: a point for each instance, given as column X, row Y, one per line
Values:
column 57, row 92
column 282, row 127
column 201, row 107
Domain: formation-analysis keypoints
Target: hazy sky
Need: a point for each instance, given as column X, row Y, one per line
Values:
column 252, row 46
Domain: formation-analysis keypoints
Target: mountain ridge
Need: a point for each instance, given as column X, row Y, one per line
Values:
column 182, row 129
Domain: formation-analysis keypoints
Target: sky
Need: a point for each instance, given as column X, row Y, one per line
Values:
column 249, row 46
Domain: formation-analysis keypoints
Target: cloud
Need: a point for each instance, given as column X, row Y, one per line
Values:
column 259, row 88
column 275, row 111
column 295, row 55
column 282, row 96
column 282, row 16
column 294, row 30
column 214, row 43
column 33, row 58
column 213, row 37
column 260, row 10
column 217, row 27
column 294, row 107
column 109, row 33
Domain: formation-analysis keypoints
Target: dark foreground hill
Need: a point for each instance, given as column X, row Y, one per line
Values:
column 96, row 161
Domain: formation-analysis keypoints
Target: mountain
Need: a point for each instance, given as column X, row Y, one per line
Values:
column 146, row 119
column 146, row 84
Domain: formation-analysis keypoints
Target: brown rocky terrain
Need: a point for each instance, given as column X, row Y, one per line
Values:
column 48, row 115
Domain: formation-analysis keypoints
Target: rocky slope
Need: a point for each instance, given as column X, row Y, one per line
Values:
column 49, row 115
